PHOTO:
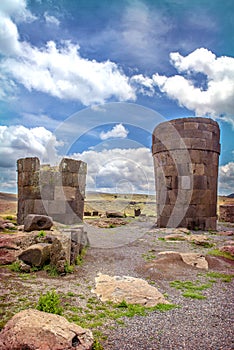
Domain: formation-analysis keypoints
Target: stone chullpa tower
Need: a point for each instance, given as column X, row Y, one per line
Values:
column 186, row 156
column 55, row 191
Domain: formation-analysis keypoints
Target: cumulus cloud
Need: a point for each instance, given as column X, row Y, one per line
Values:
column 226, row 178
column 118, row 131
column 19, row 141
column 57, row 69
column 216, row 99
column 119, row 170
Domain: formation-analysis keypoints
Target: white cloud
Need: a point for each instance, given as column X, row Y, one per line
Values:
column 19, row 142
column 118, row 131
column 226, row 178
column 51, row 19
column 63, row 73
column 217, row 100
column 118, row 170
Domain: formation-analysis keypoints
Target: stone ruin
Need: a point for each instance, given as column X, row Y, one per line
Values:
column 58, row 191
column 186, row 155
column 226, row 213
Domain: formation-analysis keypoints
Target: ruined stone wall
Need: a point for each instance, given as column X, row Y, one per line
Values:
column 186, row 155
column 55, row 191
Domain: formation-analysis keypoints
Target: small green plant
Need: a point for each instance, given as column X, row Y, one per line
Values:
column 123, row 304
column 97, row 345
column 149, row 256
column 216, row 252
column 41, row 233
column 15, row 266
column 50, row 302
column 51, row 270
column 68, row 268
column 80, row 258
column 161, row 239
column 112, row 226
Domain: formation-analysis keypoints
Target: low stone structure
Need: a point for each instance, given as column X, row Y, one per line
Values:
column 226, row 213
column 186, row 155
column 55, row 191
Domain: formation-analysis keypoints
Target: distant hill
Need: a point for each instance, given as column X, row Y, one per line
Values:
column 230, row 195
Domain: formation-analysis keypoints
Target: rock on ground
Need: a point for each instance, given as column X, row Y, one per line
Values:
column 35, row 222
column 36, row 255
column 32, row 329
column 132, row 290
column 192, row 259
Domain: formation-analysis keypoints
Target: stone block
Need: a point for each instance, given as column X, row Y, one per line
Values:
column 36, row 255
column 56, row 207
column 30, row 164
column 34, row 222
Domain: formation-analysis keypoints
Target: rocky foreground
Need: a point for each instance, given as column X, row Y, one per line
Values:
column 192, row 272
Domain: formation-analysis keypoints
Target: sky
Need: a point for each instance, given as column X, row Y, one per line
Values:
column 91, row 79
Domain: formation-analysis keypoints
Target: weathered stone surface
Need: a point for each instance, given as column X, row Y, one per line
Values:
column 198, row 239
column 32, row 329
column 60, row 251
column 36, row 255
column 192, row 259
column 132, row 290
column 186, row 166
column 114, row 214
column 55, row 191
column 226, row 213
column 79, row 240
column 35, row 222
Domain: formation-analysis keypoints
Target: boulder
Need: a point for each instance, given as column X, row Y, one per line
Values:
column 32, row 329
column 193, row 259
column 132, row 290
column 114, row 214
column 34, row 222
column 36, row 255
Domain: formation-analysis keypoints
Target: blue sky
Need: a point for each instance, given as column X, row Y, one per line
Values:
column 91, row 79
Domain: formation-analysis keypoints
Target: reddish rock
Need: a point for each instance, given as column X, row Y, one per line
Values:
column 32, row 329
column 226, row 233
column 228, row 249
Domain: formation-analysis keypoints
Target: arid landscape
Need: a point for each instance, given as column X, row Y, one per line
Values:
column 199, row 293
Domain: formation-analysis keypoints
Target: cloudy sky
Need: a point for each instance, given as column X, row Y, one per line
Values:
column 91, row 79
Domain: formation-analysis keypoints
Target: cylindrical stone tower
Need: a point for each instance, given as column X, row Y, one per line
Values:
column 186, row 156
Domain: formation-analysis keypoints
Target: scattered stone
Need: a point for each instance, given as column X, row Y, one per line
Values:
column 228, row 249
column 198, row 239
column 132, row 290
column 192, row 259
column 176, row 237
column 24, row 267
column 114, row 214
column 137, row 212
column 32, row 329
column 36, row 255
column 226, row 233
column 34, row 222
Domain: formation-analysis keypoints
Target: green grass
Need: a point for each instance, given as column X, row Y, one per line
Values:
column 193, row 295
column 216, row 252
column 148, row 256
column 80, row 258
column 15, row 266
column 224, row 277
column 191, row 289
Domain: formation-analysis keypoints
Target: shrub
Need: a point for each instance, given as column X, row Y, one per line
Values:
column 50, row 302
